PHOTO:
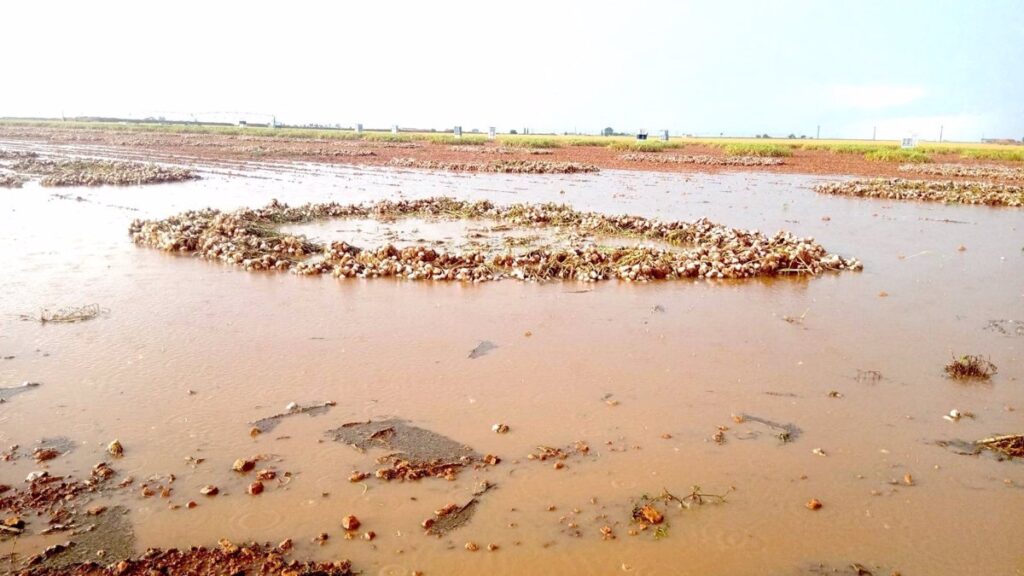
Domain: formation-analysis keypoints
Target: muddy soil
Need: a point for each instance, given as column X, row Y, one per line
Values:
column 247, row 149
column 189, row 355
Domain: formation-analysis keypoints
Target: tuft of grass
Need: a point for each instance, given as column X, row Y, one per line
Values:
column 595, row 141
column 970, row 366
column 529, row 142
column 941, row 149
column 993, row 154
column 387, row 137
column 848, row 148
column 760, row 150
column 901, row 155
column 466, row 140
column 638, row 145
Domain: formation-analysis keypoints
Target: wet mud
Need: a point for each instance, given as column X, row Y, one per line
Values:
column 184, row 365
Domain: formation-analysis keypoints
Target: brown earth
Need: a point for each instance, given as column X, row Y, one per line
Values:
column 267, row 148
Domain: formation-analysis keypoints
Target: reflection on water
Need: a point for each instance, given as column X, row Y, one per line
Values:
column 192, row 351
column 487, row 236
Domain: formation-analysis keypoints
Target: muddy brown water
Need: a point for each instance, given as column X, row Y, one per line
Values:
column 680, row 358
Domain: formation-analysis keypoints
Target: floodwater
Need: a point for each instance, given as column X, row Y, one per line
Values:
column 644, row 373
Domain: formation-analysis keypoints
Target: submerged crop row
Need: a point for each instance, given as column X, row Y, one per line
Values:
column 99, row 172
column 943, row 191
column 967, row 170
column 499, row 167
column 703, row 160
column 700, row 249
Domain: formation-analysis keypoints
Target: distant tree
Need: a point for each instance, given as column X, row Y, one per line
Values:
column 803, row 136
column 513, row 131
column 765, row 136
column 792, row 136
column 608, row 131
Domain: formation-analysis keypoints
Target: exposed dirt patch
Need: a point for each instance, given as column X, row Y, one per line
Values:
column 252, row 560
column 413, row 452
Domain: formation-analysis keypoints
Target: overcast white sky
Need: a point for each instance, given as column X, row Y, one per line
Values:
column 736, row 67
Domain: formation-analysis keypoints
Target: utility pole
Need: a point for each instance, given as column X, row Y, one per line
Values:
column 940, row 134
column 817, row 135
column 874, row 133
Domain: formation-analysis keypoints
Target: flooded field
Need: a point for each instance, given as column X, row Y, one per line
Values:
column 772, row 392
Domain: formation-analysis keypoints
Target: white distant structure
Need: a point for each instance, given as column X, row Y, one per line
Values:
column 394, row 128
column 909, row 142
column 491, row 132
column 457, row 131
column 664, row 135
column 359, row 128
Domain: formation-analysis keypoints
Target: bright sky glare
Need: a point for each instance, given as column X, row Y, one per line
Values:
column 733, row 67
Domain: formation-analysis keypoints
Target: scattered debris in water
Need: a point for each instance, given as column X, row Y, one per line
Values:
column 646, row 513
column 68, row 315
column 848, row 569
column 970, row 367
column 1006, row 327
column 227, row 558
column 267, row 424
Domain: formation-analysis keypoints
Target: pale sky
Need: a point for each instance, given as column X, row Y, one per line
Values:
column 709, row 67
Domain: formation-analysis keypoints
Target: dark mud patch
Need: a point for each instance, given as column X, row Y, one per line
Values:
column 61, row 444
column 267, row 424
column 452, row 518
column 251, row 560
column 107, row 535
column 12, row 391
column 413, row 452
column 784, row 432
column 482, row 349
column 840, row 569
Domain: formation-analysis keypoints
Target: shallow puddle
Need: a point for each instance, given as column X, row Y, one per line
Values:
column 190, row 353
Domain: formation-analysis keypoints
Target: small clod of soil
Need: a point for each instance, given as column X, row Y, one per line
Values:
column 264, row 425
